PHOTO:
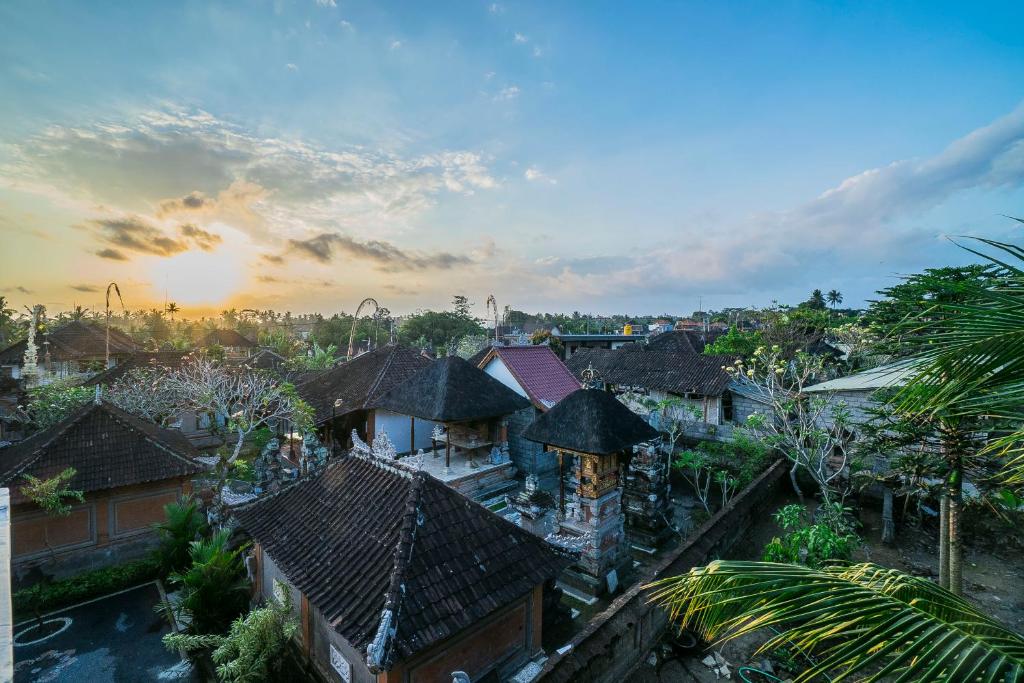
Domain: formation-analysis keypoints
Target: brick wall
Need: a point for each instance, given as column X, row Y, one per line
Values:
column 614, row 641
column 108, row 528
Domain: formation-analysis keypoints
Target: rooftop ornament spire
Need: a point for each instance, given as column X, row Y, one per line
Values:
column 591, row 378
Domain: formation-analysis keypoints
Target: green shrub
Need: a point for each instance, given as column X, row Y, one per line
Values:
column 183, row 523
column 812, row 542
column 53, row 595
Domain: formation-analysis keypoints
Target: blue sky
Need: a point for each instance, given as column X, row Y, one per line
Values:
column 593, row 156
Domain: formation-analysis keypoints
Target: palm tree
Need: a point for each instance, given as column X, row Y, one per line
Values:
column 834, row 297
column 172, row 308
column 969, row 352
column 860, row 619
column 817, row 300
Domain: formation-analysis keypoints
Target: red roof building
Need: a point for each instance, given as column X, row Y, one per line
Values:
column 531, row 371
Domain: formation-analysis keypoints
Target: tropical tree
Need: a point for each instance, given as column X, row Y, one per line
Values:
column 834, row 298
column 183, row 524
column 149, row 393
column 171, row 309
column 254, row 648
column 213, row 587
column 864, row 620
column 8, row 327
column 810, row 430
column 816, row 301
column 968, row 354
column 48, row 404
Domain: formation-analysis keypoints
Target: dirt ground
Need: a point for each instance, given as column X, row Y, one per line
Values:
column 994, row 582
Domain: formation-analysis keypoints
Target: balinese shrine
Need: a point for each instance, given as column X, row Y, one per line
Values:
column 593, row 434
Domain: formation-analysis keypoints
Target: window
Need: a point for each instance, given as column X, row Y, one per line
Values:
column 341, row 665
column 727, row 407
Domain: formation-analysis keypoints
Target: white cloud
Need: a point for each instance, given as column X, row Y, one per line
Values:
column 291, row 67
column 395, row 45
column 507, row 93
column 347, row 25
column 520, row 38
column 489, row 75
column 537, row 52
column 495, row 8
column 326, row 3
column 534, row 174
column 195, row 164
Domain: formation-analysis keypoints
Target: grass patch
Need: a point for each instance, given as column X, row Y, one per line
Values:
column 48, row 596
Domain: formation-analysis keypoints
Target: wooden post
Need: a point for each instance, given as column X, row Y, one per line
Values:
column 412, row 435
column 561, row 486
column 447, row 451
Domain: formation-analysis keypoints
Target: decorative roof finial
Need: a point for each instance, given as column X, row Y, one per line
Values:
column 591, row 378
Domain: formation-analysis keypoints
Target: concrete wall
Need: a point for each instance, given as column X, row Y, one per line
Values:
column 529, row 456
column 616, row 640
column 743, row 407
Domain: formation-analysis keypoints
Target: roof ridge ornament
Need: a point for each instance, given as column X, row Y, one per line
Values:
column 591, row 378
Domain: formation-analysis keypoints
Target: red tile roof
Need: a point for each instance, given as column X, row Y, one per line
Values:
column 539, row 372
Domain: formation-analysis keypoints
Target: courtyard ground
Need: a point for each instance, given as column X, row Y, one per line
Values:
column 994, row 583
column 115, row 639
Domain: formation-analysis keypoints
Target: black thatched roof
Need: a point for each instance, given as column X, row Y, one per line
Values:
column 108, row 448
column 365, row 537
column 682, row 372
column 226, row 337
column 590, row 421
column 452, row 390
column 361, row 381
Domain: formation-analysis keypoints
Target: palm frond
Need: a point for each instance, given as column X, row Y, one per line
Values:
column 863, row 619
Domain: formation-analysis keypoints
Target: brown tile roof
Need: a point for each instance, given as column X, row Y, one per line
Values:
column 365, row 537
column 361, row 381
column 590, row 421
column 158, row 359
column 452, row 390
column 107, row 447
column 227, row 338
column 680, row 373
column 72, row 341
column 541, row 374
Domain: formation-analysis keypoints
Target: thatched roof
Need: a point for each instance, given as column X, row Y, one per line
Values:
column 452, row 390
column 358, row 383
column 590, row 421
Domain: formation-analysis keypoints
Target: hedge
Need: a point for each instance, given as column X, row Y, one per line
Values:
column 48, row 596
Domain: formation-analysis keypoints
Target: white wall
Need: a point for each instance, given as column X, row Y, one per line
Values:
column 397, row 428
column 499, row 371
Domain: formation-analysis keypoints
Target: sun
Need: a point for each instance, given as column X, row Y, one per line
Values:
column 201, row 278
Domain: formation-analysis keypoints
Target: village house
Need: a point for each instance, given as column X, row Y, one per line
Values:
column 344, row 398
column 396, row 577
column 857, row 392
column 470, row 411
column 236, row 346
column 128, row 470
column 76, row 349
column 696, row 384
column 537, row 374
column 571, row 343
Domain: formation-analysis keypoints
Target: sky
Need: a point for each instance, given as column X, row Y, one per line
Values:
column 596, row 156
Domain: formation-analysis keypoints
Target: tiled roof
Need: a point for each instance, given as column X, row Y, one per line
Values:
column 452, row 390
column 107, row 447
column 365, row 537
column 159, row 359
column 72, row 341
column 360, row 381
column 590, row 421
column 676, row 372
column 540, row 373
column 227, row 338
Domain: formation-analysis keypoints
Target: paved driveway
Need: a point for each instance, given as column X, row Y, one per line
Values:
column 113, row 639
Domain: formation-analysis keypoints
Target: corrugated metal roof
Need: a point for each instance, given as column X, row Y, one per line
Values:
column 893, row 375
